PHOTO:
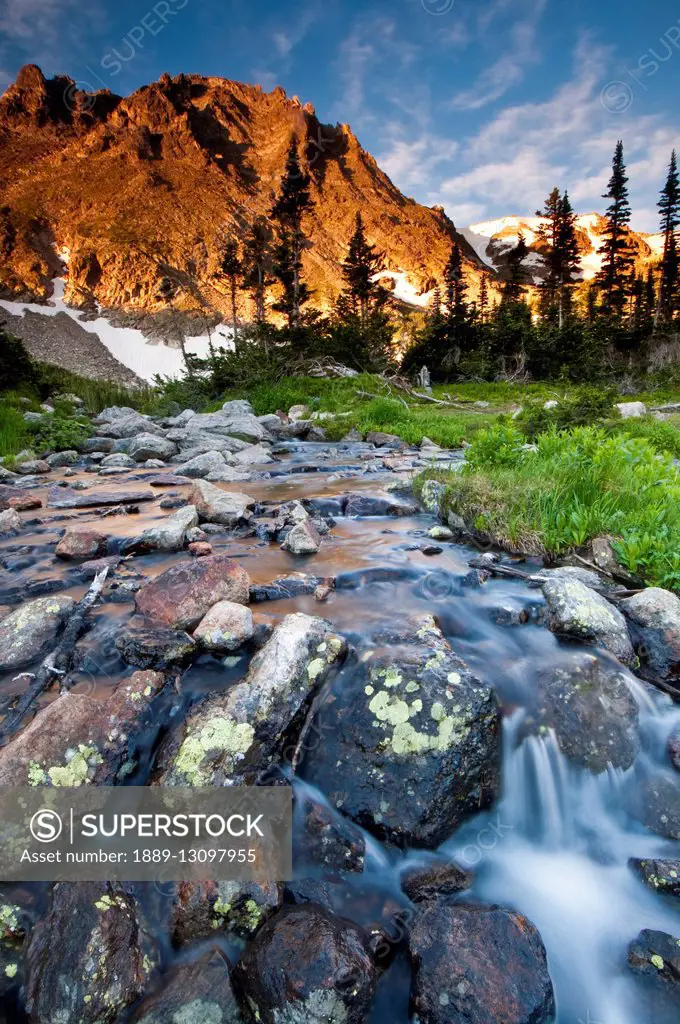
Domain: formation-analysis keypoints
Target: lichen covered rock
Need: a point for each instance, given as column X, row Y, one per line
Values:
column 577, row 611
column 31, row 631
column 195, row 993
column 182, row 595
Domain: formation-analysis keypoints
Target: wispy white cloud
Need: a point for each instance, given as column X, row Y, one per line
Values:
column 374, row 45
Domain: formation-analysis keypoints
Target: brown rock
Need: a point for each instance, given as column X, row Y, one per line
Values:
column 81, row 543
column 438, row 879
column 193, row 993
column 7, row 493
column 200, row 549
column 226, row 627
column 25, row 503
column 78, row 739
column 182, row 595
column 240, row 907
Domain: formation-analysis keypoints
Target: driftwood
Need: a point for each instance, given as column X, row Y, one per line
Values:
column 56, row 663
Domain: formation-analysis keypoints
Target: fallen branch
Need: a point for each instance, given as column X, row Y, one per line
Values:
column 56, row 663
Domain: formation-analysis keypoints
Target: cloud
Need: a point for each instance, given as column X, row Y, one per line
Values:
column 47, row 32
column 510, row 68
column 373, row 45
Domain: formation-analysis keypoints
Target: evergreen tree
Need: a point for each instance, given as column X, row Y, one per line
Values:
column 614, row 278
column 570, row 260
column 360, row 266
column 560, row 245
column 513, row 290
column 669, row 208
column 289, row 208
column 232, row 269
column 257, row 264
column 483, row 297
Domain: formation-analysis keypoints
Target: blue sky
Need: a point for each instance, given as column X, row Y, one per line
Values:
column 479, row 105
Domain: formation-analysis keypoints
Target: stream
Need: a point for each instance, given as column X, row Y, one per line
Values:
column 554, row 847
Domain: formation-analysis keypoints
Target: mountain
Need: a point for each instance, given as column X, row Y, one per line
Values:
column 493, row 239
column 123, row 189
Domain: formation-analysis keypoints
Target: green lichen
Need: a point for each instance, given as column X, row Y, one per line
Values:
column 36, row 776
column 222, row 736
column 315, row 668
column 78, row 767
column 657, row 961
column 11, row 970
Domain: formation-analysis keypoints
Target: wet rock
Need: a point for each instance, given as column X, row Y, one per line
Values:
column 200, row 549
column 655, row 958
column 155, row 648
column 97, row 444
column 379, row 438
column 26, row 503
column 288, row 586
column 32, row 467
column 226, row 627
column 233, row 737
column 363, row 505
column 254, row 455
column 182, row 595
column 118, row 460
column 6, row 476
column 238, row 907
column 228, row 508
column 307, row 965
column 197, row 993
column 660, row 875
column 202, row 465
column 167, row 480
column 604, row 557
column 150, row 446
column 104, row 957
column 303, row 539
column 577, row 611
column 478, row 965
column 58, row 498
column 411, row 744
column 431, row 549
column 79, row 739
column 436, row 880
column 60, row 459
column 657, row 805
column 440, row 533
column 7, row 492
column 172, row 502
column 655, row 614
column 79, row 542
column 31, row 632
column 167, row 535
column 10, row 522
column 674, row 748
column 330, row 840
column 592, row 710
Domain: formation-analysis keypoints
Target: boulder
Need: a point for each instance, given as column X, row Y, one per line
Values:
column 26, row 503
column 307, row 965
column 10, row 522
column 655, row 615
column 631, row 410
column 198, row 442
column 478, row 965
column 60, row 498
column 181, row 419
column 167, row 535
column 303, row 539
column 655, row 958
column 674, row 748
column 659, row 875
column 182, row 595
column 238, row 407
column 6, row 476
column 411, row 742
column 226, row 627
column 238, row 907
column 244, row 427
column 129, row 426
column 80, row 542
column 194, row 993
column 380, row 439
column 590, row 706
column 657, row 804
column 254, row 455
column 330, row 840
column 155, row 648
column 89, row 958
column 575, row 610
column 32, row 467
column 203, row 464
column 364, row 505
column 434, row 881
column 6, row 493
column 214, row 505
column 97, row 444
column 298, row 412
column 440, row 533
column 31, row 631
column 79, row 739
column 149, row 446
column 60, row 459
column 233, row 737
column 228, row 475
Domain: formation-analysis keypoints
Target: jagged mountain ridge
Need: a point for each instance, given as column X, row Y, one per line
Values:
column 493, row 239
column 125, row 187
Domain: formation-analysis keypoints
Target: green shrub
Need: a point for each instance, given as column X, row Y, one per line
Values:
column 583, row 406
column 57, row 434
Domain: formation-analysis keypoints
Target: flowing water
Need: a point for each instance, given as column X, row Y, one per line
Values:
column 557, row 843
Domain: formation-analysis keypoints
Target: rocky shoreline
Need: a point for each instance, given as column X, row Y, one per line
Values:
column 234, row 586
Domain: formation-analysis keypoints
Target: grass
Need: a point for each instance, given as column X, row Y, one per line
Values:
column 575, row 486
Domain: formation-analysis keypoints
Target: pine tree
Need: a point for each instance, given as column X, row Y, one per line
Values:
column 232, row 268
column 458, row 317
column 614, row 278
column 359, row 268
column 558, row 237
column 483, row 297
column 669, row 208
column 548, row 235
column 257, row 264
column 570, row 260
column 513, row 290
column 292, row 203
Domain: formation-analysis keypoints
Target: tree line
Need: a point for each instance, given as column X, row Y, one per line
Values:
column 571, row 328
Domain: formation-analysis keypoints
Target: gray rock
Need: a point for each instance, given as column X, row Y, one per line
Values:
column 271, row 423
column 238, row 407
column 228, row 508
column 655, row 614
column 117, row 460
column 303, row 539
column 201, row 465
column 129, row 426
column 10, row 521
column 149, row 446
column 631, row 410
column 155, row 648
column 298, row 412
column 233, row 737
column 226, row 627
column 440, row 533
column 97, row 444
column 364, row 505
column 411, row 742
column 658, row 875
column 380, row 439
column 181, row 420
column 256, row 454
column 33, row 466
column 592, row 710
column 59, row 459
column 31, row 631
column 154, row 464
column 244, row 427
column 167, row 535
column 6, row 476
column 575, row 572
column 32, row 417
column 59, row 498
column 576, row 610
column 228, row 475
